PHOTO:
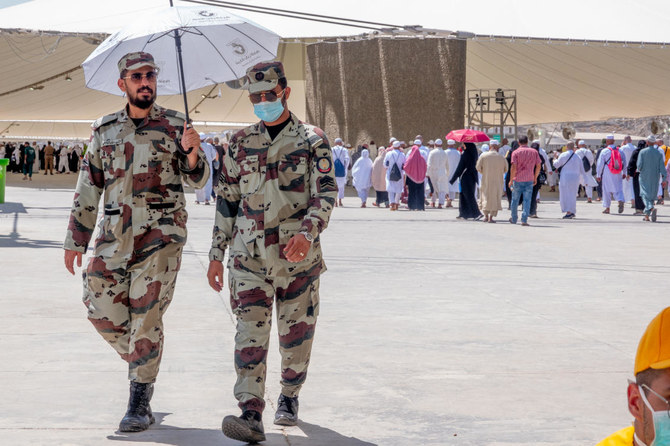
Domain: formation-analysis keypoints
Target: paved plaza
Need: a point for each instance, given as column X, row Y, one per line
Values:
column 432, row 331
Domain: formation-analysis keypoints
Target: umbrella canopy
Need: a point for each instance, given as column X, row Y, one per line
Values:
column 217, row 46
column 467, row 135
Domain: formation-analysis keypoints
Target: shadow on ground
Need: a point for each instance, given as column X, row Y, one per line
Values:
column 306, row 434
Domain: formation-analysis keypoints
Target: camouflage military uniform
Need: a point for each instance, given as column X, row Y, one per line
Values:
column 130, row 278
column 268, row 191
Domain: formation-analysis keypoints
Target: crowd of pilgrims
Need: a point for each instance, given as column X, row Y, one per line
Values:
column 44, row 156
column 434, row 174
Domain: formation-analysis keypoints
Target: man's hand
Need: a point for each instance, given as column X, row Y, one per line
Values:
column 297, row 248
column 190, row 138
column 535, row 182
column 598, row 179
column 215, row 275
column 69, row 260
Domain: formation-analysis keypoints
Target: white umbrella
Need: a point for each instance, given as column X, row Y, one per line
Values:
column 216, row 46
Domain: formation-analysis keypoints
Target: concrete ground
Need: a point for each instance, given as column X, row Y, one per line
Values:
column 433, row 331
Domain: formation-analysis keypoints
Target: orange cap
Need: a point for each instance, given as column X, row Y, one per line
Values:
column 654, row 348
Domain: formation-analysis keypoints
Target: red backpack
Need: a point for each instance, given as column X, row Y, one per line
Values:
column 615, row 164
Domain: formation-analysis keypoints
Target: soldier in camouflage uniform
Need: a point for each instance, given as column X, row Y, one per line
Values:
column 275, row 195
column 132, row 161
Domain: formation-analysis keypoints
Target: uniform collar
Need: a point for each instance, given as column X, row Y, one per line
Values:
column 291, row 128
column 155, row 113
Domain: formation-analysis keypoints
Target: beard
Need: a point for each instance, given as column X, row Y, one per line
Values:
column 142, row 103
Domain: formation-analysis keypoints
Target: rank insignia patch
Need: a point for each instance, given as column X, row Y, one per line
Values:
column 324, row 165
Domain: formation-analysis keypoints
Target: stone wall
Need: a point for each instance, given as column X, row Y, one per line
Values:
column 373, row 89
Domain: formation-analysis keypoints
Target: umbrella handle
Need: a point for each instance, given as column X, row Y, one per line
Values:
column 181, row 148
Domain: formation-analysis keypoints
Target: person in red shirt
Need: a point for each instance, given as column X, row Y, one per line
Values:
column 523, row 176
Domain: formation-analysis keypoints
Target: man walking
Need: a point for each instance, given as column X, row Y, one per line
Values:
column 492, row 166
column 627, row 149
column 652, row 171
column 132, row 161
column 586, row 157
column 572, row 171
column 438, row 167
column 341, row 159
column 275, row 197
column 28, row 161
column 610, row 171
column 523, row 176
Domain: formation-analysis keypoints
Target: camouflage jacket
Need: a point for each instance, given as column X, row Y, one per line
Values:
column 140, row 176
column 270, row 190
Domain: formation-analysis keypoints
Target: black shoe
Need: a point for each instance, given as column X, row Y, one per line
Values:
column 248, row 427
column 138, row 417
column 287, row 411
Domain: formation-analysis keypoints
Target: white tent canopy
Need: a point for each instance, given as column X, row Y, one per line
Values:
column 556, row 80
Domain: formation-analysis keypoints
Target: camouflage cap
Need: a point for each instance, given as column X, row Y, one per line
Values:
column 133, row 61
column 264, row 76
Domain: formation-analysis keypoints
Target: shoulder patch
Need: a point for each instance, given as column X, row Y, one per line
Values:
column 324, row 164
column 107, row 119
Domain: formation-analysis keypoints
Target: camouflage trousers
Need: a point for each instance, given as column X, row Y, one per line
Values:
column 126, row 303
column 252, row 299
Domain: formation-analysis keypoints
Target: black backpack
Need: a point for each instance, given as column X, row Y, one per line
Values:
column 395, row 173
column 587, row 165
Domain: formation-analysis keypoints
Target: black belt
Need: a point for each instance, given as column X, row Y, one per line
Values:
column 116, row 211
column 161, row 205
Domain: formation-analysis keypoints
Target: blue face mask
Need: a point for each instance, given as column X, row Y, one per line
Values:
column 661, row 424
column 269, row 111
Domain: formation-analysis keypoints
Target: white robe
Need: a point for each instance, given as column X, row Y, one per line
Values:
column 362, row 174
column 341, row 153
column 612, row 184
column 587, row 178
column 394, row 188
column 627, row 185
column 438, row 171
column 454, row 157
column 568, row 184
column 64, row 160
column 204, row 194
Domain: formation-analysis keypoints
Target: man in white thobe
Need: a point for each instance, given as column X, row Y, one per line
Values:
column 395, row 188
column 587, row 179
column 627, row 148
column 341, row 154
column 572, row 171
column 204, row 194
column 64, row 159
column 454, row 156
column 611, row 181
column 438, row 170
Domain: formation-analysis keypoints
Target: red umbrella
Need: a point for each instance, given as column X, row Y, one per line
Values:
column 467, row 135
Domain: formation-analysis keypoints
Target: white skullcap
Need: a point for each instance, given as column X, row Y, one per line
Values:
column 392, row 140
column 338, row 140
column 396, row 144
column 417, row 142
column 451, row 142
column 438, row 142
column 431, row 142
column 537, row 141
column 202, row 136
column 609, row 137
column 581, row 141
column 485, row 147
column 651, row 138
column 495, row 142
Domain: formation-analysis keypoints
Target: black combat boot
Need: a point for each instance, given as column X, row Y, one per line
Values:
column 139, row 416
column 287, row 411
column 247, row 427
